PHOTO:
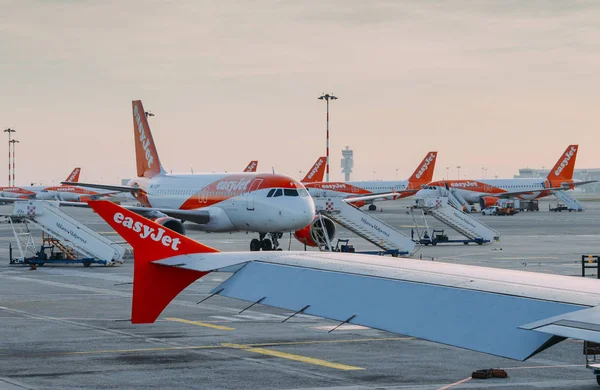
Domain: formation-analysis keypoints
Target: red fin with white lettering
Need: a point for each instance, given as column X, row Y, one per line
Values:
column 317, row 172
column 564, row 167
column 251, row 166
column 146, row 156
column 424, row 172
column 154, row 285
column 74, row 176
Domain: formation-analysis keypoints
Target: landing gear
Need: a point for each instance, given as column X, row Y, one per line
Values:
column 372, row 207
column 255, row 245
column 266, row 244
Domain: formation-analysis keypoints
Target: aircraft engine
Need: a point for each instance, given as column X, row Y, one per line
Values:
column 487, row 201
column 315, row 232
column 172, row 224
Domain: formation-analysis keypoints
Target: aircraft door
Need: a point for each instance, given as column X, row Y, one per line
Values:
column 251, row 193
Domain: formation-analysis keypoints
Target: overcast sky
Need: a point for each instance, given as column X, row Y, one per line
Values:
column 496, row 84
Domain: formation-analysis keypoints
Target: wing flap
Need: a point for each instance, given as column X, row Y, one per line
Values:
column 582, row 325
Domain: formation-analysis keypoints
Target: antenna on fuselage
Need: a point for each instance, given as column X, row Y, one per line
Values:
column 273, row 168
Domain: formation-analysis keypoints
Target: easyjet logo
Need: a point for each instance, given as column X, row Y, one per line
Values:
column 233, row 185
column 425, row 165
column 251, row 167
column 315, row 169
column 147, row 232
column 143, row 137
column 73, row 174
column 566, row 160
column 466, row 184
column 337, row 186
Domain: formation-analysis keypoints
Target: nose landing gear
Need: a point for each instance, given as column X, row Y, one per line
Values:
column 266, row 244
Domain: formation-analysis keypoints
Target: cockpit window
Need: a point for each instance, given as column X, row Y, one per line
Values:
column 302, row 192
column 278, row 192
column 270, row 194
column 290, row 192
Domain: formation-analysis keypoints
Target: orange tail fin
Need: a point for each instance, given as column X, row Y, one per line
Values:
column 563, row 169
column 74, row 176
column 146, row 156
column 252, row 166
column 424, row 172
column 154, row 286
column 317, row 172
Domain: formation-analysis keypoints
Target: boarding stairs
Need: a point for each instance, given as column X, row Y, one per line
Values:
column 441, row 209
column 457, row 200
column 69, row 235
column 365, row 225
column 572, row 204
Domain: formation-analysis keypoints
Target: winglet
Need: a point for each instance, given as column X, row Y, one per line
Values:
column 251, row 166
column 563, row 169
column 424, row 172
column 74, row 176
column 146, row 155
column 154, row 286
column 317, row 172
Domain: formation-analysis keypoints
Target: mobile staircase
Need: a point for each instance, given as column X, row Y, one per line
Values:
column 572, row 204
column 441, row 209
column 365, row 225
column 76, row 242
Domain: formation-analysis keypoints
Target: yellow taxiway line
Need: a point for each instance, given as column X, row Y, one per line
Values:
column 297, row 358
column 198, row 323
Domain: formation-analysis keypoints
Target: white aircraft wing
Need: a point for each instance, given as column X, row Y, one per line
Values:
column 379, row 196
column 102, row 186
column 476, row 308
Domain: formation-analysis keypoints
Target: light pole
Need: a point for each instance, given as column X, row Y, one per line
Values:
column 396, row 174
column 9, row 131
column 482, row 172
column 14, row 158
column 447, row 173
column 327, row 97
column 458, row 170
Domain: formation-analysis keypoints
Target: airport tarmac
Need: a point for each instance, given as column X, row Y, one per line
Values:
column 66, row 326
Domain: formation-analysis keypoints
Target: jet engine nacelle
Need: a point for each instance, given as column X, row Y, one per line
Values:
column 171, row 223
column 315, row 232
column 487, row 201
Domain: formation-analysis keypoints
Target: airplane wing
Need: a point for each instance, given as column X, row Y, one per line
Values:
column 378, row 196
column 102, row 186
column 476, row 308
column 511, row 194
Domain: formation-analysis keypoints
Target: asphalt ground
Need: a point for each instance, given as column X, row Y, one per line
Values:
column 65, row 326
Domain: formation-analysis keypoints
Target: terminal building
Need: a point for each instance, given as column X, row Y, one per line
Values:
column 581, row 174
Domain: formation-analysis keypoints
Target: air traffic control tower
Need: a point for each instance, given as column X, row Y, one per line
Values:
column 347, row 162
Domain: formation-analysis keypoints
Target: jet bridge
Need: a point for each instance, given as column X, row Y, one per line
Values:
column 441, row 209
column 365, row 225
column 70, row 235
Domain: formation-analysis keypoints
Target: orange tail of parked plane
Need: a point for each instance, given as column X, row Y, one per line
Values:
column 424, row 172
column 317, row 172
column 252, row 166
column 563, row 169
column 146, row 156
column 74, row 176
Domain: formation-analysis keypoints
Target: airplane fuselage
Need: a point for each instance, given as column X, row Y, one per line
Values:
column 256, row 202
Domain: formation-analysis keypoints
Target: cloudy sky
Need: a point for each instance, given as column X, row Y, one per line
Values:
column 495, row 84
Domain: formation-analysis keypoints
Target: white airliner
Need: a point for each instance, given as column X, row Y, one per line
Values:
column 71, row 192
column 377, row 190
column 486, row 192
column 515, row 314
column 266, row 203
